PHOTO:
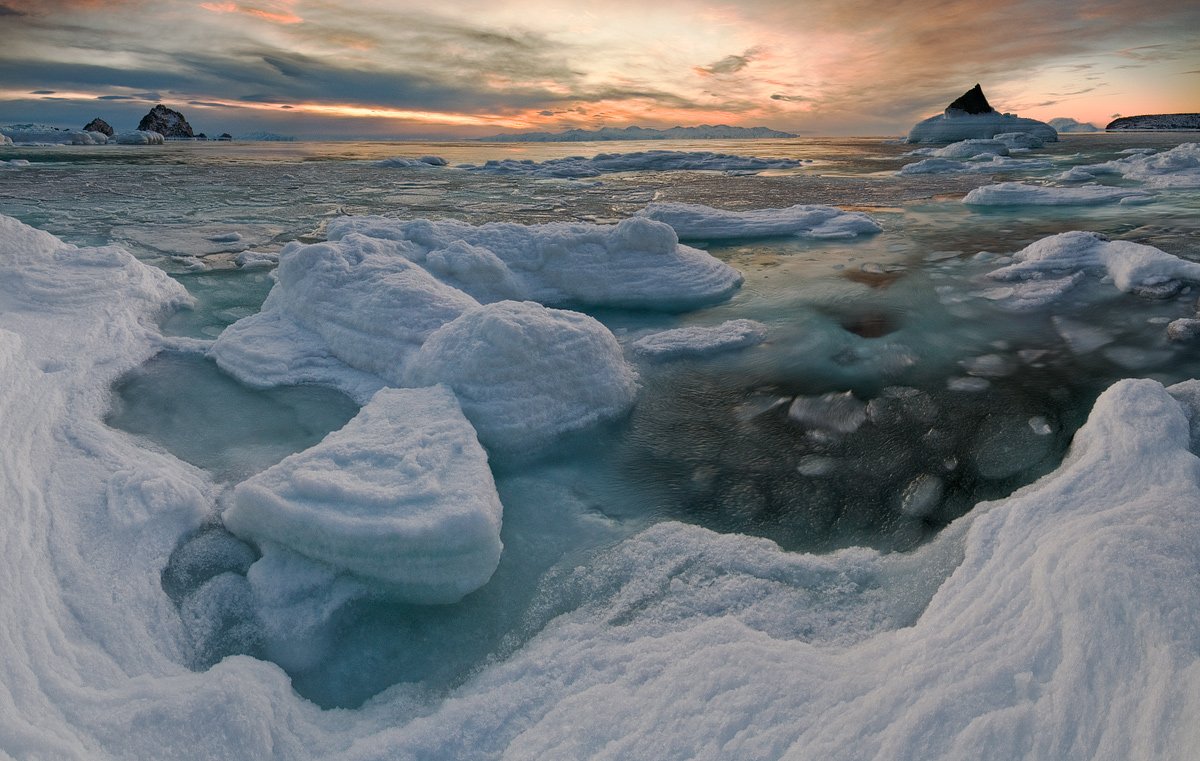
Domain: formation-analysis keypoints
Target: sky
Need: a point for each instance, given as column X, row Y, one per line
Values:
column 466, row 68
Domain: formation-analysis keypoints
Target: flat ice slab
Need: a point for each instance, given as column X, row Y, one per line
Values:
column 692, row 221
column 1022, row 194
column 401, row 495
column 700, row 340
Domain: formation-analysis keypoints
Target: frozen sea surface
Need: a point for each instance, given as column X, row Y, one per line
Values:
column 854, row 533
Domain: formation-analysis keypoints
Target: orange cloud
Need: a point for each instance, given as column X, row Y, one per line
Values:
column 280, row 13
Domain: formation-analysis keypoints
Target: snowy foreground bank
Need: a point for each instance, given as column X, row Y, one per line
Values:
column 1058, row 623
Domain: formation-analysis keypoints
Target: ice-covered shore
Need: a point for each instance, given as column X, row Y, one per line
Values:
column 1058, row 623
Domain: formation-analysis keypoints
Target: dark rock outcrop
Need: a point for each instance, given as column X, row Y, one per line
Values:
column 98, row 125
column 166, row 122
column 225, row 136
column 1182, row 122
column 972, row 102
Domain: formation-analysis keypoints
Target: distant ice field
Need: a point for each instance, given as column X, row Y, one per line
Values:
column 804, row 456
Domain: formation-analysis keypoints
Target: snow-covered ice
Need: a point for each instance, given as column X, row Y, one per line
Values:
column 407, row 162
column 526, row 374
column 993, row 165
column 1178, row 167
column 1023, row 194
column 700, row 340
column 954, row 125
column 1046, row 269
column 696, row 222
column 573, row 167
column 401, row 495
column 138, row 137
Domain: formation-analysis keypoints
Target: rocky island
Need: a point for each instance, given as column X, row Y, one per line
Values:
column 166, row 122
column 1167, row 122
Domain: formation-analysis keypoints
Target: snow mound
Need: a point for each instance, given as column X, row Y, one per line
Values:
column 993, row 165
column 1046, row 269
column 340, row 307
column 405, row 162
column 966, row 149
column 637, row 263
column 696, row 222
column 526, row 374
column 953, row 125
column 574, row 167
column 401, row 495
column 138, row 137
column 1178, row 167
column 1020, row 194
column 701, row 340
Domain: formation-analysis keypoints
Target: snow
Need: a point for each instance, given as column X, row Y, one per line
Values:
column 637, row 263
column 1176, row 168
column 404, row 162
column 138, row 137
column 401, row 495
column 1021, row 194
column 954, row 125
column 701, row 340
column 526, row 374
column 993, row 165
column 574, row 167
column 1061, row 259
column 697, row 222
column 966, row 149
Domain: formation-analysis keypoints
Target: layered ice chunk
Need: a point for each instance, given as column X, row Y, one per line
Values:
column 638, row 263
column 696, row 222
column 700, row 340
column 525, row 373
column 401, row 496
column 1022, row 194
column 1059, row 260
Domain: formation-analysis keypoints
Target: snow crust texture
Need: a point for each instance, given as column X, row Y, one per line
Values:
column 1057, row 623
column 696, row 222
column 1046, row 269
column 401, row 495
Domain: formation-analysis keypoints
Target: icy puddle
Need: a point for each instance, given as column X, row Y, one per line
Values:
column 187, row 405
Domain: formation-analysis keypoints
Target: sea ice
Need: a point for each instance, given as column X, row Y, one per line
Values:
column 966, row 149
column 1020, row 194
column 1178, row 167
column 638, row 263
column 138, row 137
column 836, row 413
column 994, row 165
column 574, row 167
column 1053, row 265
column 402, row 496
column 701, row 340
column 405, row 162
column 696, row 222
column 526, row 374
column 954, row 125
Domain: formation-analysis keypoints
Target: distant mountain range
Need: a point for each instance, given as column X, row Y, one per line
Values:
column 1158, row 122
column 703, row 132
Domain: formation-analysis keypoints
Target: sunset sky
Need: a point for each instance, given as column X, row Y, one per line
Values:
column 395, row 68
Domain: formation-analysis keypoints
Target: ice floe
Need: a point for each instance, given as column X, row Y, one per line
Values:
column 1178, row 167
column 994, row 164
column 1045, row 270
column 637, row 263
column 406, row 162
column 526, row 374
column 700, row 340
column 574, row 167
column 402, row 495
column 1022, row 194
column 138, row 137
column 696, row 222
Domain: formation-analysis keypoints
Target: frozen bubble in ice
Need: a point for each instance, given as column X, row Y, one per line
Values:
column 921, row 496
column 1080, row 337
column 815, row 465
column 971, row 384
column 988, row 366
column 1040, row 426
column 837, row 413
